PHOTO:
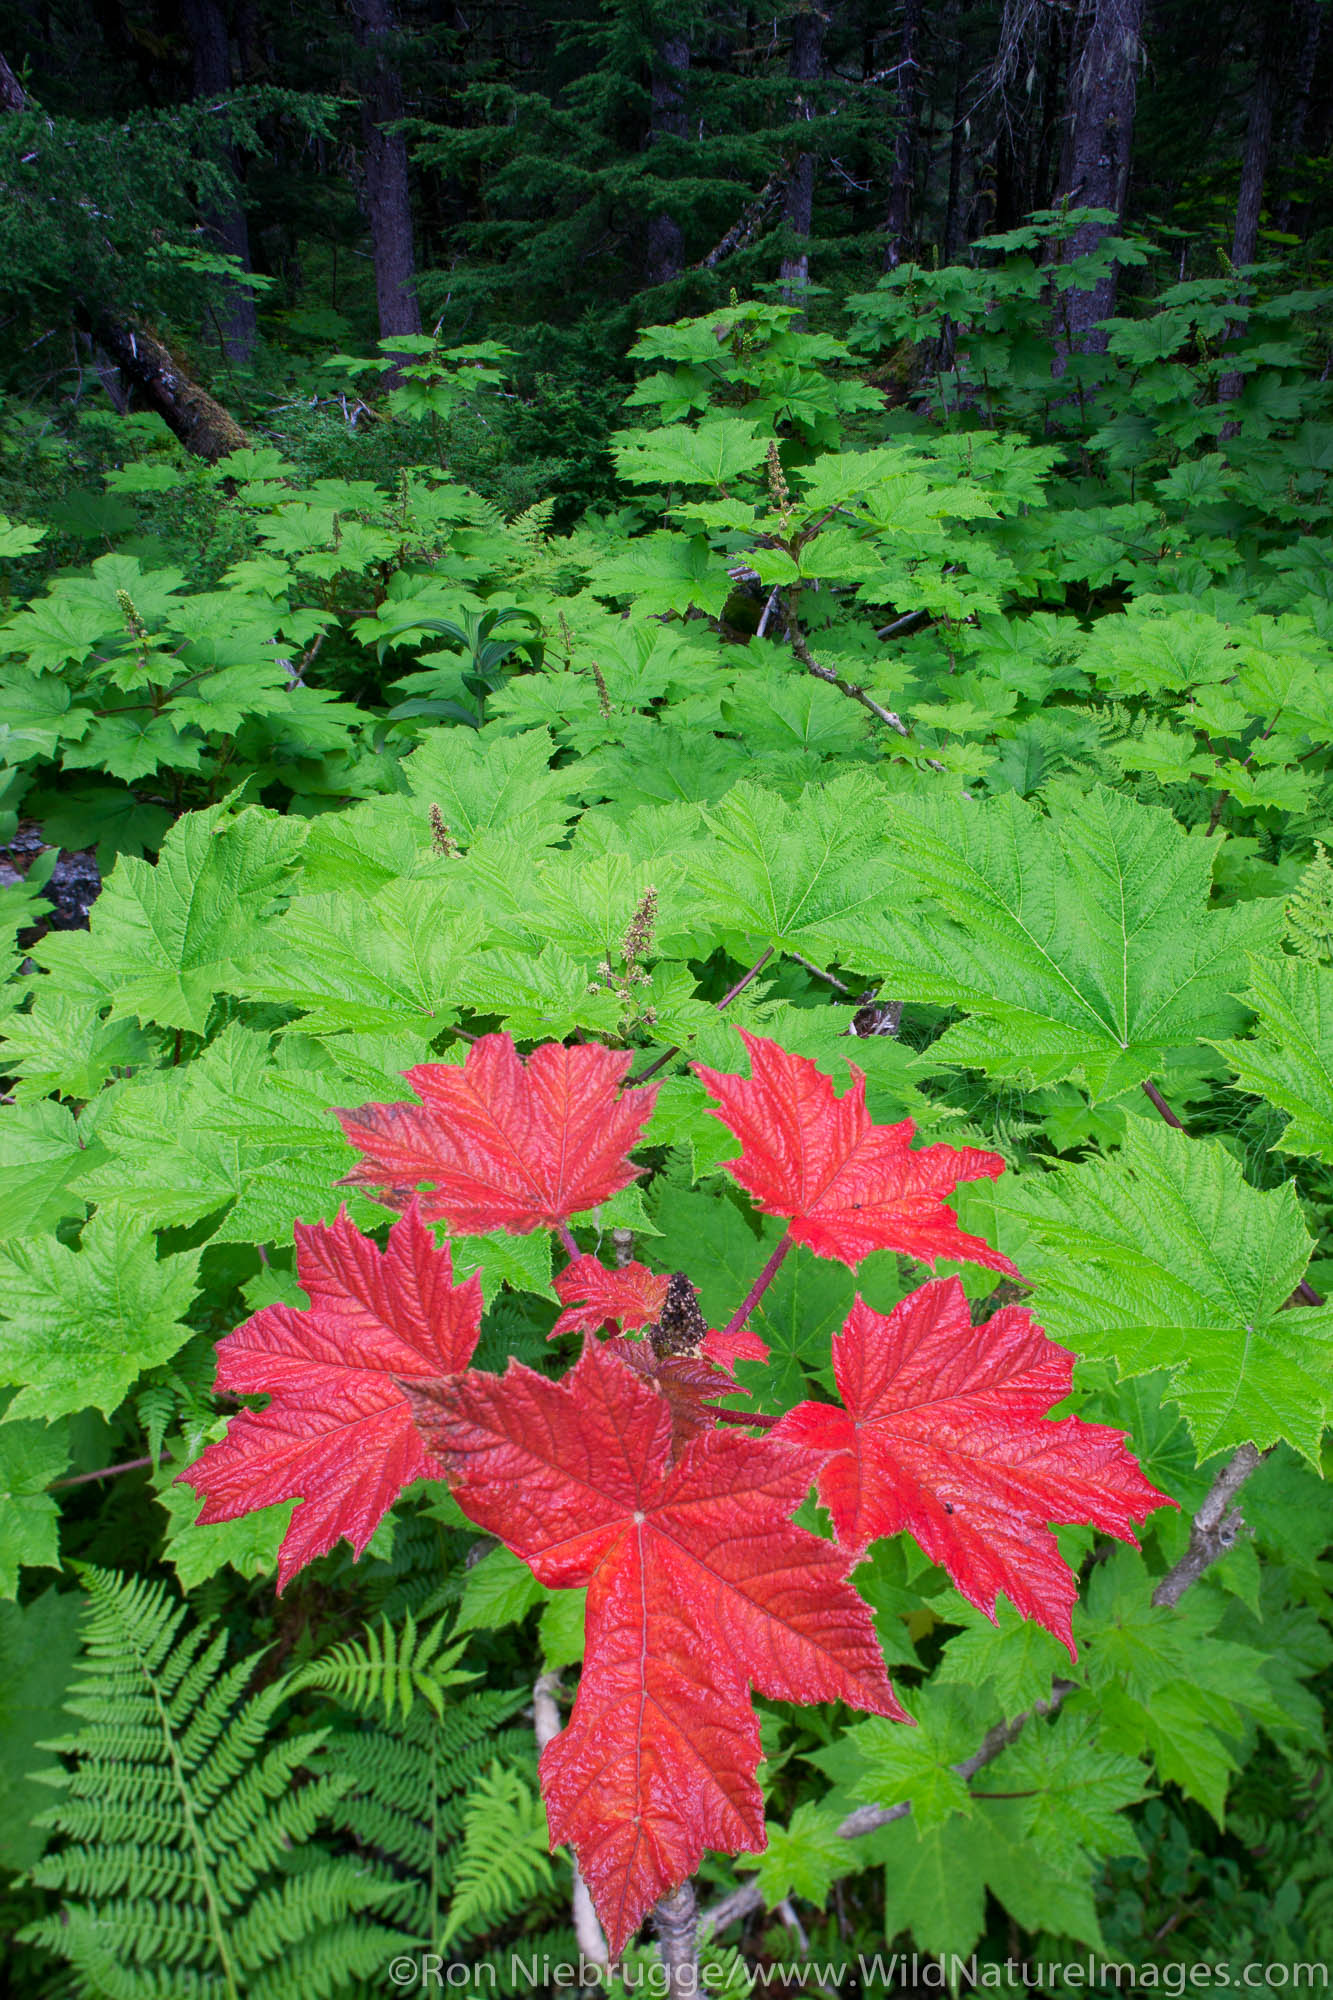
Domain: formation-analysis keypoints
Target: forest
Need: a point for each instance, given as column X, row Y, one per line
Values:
column 556, row 563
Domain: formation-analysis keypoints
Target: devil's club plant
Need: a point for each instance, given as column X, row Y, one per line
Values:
column 645, row 1473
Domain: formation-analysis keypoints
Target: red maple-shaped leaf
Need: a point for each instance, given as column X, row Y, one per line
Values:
column 503, row 1144
column 847, row 1185
column 698, row 1587
column 629, row 1297
column 338, row 1432
column 726, row 1349
column 691, row 1387
column 944, row 1434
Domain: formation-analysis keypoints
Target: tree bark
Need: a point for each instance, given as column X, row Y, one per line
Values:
column 898, row 221
column 1101, row 132
column 210, row 49
column 195, row 417
column 11, row 90
column 807, row 53
column 1250, row 199
column 665, row 253
column 1311, row 17
column 953, row 204
column 387, row 205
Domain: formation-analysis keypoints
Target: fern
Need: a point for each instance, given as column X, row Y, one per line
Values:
column 385, row 1668
column 1309, row 912
column 406, row 1791
column 189, row 1872
column 506, row 1860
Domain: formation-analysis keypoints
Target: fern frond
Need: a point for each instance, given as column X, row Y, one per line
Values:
column 188, row 1818
column 389, row 1669
column 1309, row 911
column 506, row 1858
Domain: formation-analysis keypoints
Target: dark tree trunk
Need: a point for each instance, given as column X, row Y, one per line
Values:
column 11, row 90
column 807, row 53
column 1310, row 15
column 898, row 220
column 665, row 253
column 1250, row 200
column 210, row 50
column 953, row 209
column 195, row 417
column 1258, row 145
column 1101, row 133
column 387, row 205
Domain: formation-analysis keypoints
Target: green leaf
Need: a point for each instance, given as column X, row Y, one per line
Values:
column 82, row 1324
column 481, row 780
column 560, row 1628
column 804, row 1858
column 31, row 1456
column 674, row 456
column 1081, row 1790
column 1165, row 1257
column 898, row 1763
column 1016, row 1658
column 1289, row 1057
column 165, row 939
column 249, row 1544
column 387, row 961
column 43, row 1149
column 809, row 877
column 38, row 1647
column 1078, row 943
column 498, row 1590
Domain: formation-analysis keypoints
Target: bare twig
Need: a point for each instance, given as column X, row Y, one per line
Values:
column 106, row 1471
column 546, row 1727
column 767, row 613
column 903, row 624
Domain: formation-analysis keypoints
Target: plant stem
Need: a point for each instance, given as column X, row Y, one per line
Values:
column 676, row 1921
column 642, row 1076
column 1160, row 1102
column 567, row 1237
column 759, row 1287
column 104, row 1472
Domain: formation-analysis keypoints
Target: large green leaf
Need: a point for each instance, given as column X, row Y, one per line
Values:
column 1289, row 1057
column 1165, row 1257
column 1079, row 943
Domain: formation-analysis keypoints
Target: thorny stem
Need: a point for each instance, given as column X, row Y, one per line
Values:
column 1210, row 1538
column 660, row 1062
column 567, row 1237
column 759, row 1287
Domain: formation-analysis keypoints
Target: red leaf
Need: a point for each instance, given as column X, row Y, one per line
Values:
column 698, row 1587
column 690, row 1387
column 339, row 1430
column 726, row 1349
column 632, row 1296
column 849, row 1186
column 944, row 1434
column 501, row 1144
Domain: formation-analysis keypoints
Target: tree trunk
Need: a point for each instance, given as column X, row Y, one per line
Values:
column 665, row 253
column 898, row 221
column 195, row 417
column 1311, row 14
column 211, row 53
column 11, row 90
column 807, row 52
column 953, row 204
column 1250, row 199
column 1101, row 133
column 1258, row 145
column 387, row 206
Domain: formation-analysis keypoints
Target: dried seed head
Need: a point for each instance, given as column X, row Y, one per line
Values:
column 603, row 698
column 638, row 938
column 779, row 491
column 441, row 838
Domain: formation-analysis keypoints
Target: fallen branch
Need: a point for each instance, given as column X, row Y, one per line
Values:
column 812, row 666
column 546, row 1727
column 749, row 222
